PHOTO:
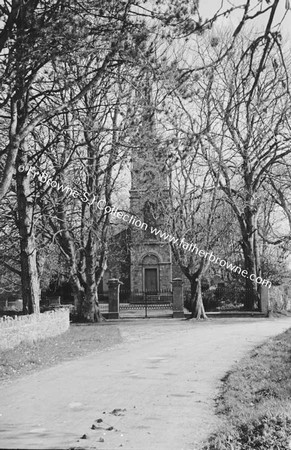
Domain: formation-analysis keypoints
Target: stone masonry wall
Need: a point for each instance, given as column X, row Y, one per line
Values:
column 32, row 328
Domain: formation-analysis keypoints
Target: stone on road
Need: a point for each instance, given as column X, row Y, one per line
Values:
column 154, row 391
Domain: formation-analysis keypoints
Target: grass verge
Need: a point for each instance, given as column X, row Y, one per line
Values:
column 255, row 400
column 78, row 341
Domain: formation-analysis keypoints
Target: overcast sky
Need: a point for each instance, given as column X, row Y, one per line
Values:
column 208, row 8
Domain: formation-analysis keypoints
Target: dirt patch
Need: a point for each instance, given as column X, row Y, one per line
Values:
column 78, row 341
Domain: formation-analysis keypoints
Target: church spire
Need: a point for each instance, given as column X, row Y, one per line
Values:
column 148, row 159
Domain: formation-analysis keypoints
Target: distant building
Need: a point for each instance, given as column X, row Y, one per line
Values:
column 139, row 257
column 150, row 256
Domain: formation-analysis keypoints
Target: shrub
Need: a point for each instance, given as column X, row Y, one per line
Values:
column 264, row 433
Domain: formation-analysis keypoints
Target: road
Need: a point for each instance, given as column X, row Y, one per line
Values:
column 155, row 391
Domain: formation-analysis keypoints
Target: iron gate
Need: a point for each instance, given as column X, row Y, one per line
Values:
column 146, row 304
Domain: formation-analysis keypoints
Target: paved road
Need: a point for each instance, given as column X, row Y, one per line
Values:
column 161, row 382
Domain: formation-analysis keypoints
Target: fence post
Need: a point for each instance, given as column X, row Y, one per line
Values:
column 113, row 298
column 265, row 307
column 178, row 301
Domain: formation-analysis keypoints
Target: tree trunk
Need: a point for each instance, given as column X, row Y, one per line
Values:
column 251, row 296
column 91, row 310
column 248, row 235
column 78, row 292
column 29, row 273
column 12, row 150
column 67, row 244
column 258, row 265
column 197, row 307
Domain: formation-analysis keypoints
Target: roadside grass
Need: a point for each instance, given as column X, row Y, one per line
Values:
column 78, row 341
column 255, row 400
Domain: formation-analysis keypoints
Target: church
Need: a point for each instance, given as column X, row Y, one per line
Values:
column 150, row 256
column 141, row 259
column 144, row 261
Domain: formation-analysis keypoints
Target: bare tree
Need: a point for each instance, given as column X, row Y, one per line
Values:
column 245, row 136
column 36, row 39
column 93, row 139
column 197, row 213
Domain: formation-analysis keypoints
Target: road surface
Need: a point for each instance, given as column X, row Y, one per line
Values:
column 155, row 391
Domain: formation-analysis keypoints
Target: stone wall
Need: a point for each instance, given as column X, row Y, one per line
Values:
column 32, row 328
column 276, row 298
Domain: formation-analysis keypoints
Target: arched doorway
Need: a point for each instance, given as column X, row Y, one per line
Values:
column 151, row 275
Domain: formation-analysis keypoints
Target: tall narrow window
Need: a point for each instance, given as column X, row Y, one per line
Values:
column 150, row 218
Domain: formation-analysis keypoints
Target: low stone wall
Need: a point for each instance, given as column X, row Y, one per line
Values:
column 276, row 299
column 32, row 328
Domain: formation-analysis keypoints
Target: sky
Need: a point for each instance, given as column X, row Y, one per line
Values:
column 208, row 8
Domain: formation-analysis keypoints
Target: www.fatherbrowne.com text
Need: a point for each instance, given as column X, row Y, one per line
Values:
column 112, row 210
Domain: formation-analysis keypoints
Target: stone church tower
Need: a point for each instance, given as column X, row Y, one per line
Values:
column 150, row 256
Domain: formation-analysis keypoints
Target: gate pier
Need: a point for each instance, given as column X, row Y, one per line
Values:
column 178, row 300
column 113, row 298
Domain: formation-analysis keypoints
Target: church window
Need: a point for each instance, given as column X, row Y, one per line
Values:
column 150, row 218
